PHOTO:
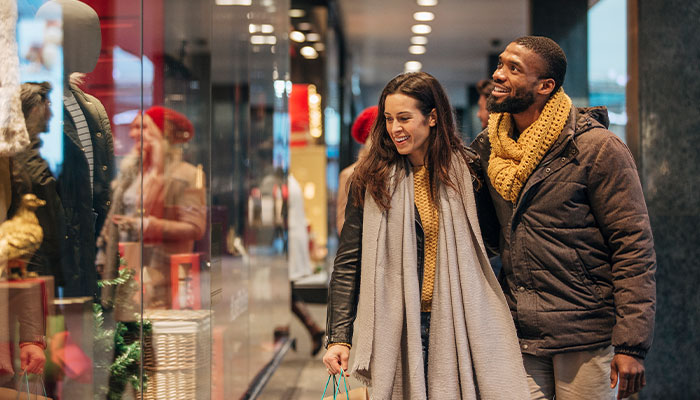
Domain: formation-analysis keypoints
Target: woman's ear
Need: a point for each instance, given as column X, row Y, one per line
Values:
column 432, row 118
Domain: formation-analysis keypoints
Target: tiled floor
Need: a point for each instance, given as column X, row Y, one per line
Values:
column 301, row 377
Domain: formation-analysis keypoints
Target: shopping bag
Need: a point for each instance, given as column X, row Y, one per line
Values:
column 23, row 393
column 342, row 392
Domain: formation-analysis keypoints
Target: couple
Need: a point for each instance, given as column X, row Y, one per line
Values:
column 557, row 194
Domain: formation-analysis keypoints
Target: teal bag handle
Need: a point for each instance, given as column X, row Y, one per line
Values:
column 26, row 381
column 336, row 386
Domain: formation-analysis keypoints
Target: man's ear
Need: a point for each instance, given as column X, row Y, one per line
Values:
column 432, row 118
column 546, row 86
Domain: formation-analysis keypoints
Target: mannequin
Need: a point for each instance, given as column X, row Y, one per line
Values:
column 88, row 149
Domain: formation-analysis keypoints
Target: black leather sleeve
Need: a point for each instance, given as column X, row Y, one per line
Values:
column 488, row 220
column 344, row 287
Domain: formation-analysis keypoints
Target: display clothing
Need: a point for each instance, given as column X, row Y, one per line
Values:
column 576, row 246
column 85, row 201
column 473, row 350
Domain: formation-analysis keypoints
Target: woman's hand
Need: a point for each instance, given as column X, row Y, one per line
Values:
column 336, row 357
column 32, row 359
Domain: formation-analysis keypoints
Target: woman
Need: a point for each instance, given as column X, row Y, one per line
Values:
column 171, row 205
column 432, row 320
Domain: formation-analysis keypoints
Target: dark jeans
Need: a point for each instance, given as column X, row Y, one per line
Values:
column 424, row 337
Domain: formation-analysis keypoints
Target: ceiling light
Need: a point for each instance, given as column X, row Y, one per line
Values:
column 427, row 3
column 421, row 29
column 313, row 37
column 416, row 49
column 234, row 2
column 308, row 52
column 319, row 46
column 423, row 16
column 297, row 36
column 260, row 39
column 304, row 26
column 296, row 13
column 412, row 66
column 421, row 40
column 267, row 28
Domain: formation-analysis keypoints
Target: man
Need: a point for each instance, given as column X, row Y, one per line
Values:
column 562, row 201
column 484, row 87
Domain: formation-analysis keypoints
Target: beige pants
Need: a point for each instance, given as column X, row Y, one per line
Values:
column 579, row 375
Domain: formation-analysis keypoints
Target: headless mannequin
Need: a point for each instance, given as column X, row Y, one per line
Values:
column 88, row 152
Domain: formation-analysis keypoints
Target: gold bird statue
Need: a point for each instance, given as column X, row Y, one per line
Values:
column 20, row 237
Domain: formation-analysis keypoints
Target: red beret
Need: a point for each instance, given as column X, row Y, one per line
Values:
column 363, row 124
column 175, row 126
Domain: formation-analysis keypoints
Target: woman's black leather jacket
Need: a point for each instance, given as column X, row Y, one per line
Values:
column 344, row 288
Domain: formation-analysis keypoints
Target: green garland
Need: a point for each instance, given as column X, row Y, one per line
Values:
column 121, row 344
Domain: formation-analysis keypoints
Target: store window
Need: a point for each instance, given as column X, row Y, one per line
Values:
column 607, row 60
column 143, row 198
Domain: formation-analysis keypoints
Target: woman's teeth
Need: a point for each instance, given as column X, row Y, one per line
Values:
column 401, row 139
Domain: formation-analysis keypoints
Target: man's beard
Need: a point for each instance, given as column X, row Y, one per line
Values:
column 519, row 102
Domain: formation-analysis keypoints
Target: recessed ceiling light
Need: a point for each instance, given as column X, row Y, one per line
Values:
column 296, row 13
column 416, row 49
column 412, row 66
column 421, row 29
column 260, row 39
column 427, row 3
column 297, row 36
column 304, row 26
column 319, row 46
column 423, row 16
column 234, row 2
column 313, row 37
column 308, row 52
column 421, row 40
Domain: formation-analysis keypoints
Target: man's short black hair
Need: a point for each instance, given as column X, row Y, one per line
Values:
column 552, row 55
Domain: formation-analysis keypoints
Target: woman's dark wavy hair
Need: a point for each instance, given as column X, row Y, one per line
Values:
column 373, row 171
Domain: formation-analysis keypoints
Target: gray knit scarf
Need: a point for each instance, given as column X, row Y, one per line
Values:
column 474, row 352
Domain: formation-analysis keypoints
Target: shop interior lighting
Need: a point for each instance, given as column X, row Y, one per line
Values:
column 416, row 49
column 319, row 46
column 297, row 36
column 297, row 13
column 315, row 117
column 305, row 26
column 264, row 28
column 234, row 2
column 427, row 3
column 421, row 29
column 261, row 39
column 423, row 16
column 308, row 52
column 419, row 40
column 412, row 66
column 313, row 37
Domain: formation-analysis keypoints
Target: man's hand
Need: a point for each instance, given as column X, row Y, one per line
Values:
column 32, row 359
column 630, row 371
column 336, row 357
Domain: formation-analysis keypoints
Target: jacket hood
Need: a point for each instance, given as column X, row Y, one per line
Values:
column 589, row 117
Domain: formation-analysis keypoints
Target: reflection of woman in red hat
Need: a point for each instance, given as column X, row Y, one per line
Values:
column 157, row 187
column 360, row 132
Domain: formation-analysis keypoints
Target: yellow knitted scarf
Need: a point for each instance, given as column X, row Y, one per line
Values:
column 511, row 162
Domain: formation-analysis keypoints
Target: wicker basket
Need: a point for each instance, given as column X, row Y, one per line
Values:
column 177, row 355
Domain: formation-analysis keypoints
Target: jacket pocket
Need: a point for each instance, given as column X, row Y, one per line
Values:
column 585, row 277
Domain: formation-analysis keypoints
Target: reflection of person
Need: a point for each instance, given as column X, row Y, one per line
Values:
column 575, row 239
column 88, row 150
column 172, row 205
column 411, row 266
column 360, row 132
column 484, row 88
column 25, row 308
column 300, row 260
column 31, row 174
